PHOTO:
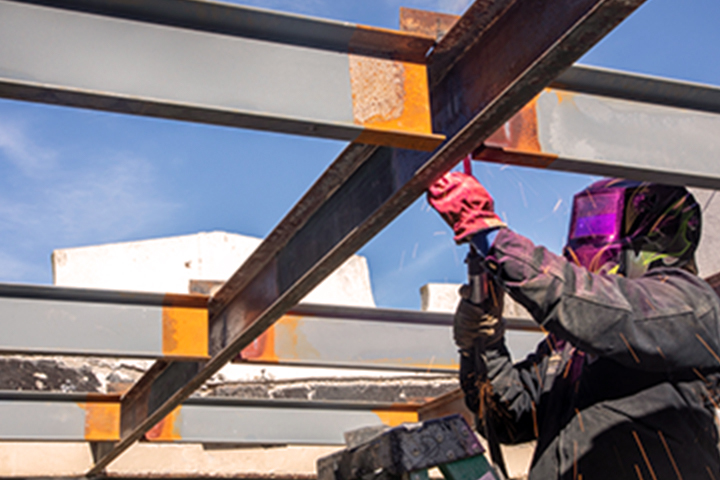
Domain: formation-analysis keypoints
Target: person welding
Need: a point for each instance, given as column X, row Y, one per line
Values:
column 624, row 386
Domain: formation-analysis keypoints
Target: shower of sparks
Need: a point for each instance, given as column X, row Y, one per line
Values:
column 629, row 347
column 644, row 455
column 667, row 450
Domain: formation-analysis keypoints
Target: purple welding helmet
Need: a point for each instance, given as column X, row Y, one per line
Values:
column 629, row 227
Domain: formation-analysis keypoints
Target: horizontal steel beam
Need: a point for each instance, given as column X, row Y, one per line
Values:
column 494, row 60
column 30, row 416
column 50, row 320
column 220, row 64
column 55, row 320
column 639, row 88
column 616, row 137
column 333, row 336
column 274, row 422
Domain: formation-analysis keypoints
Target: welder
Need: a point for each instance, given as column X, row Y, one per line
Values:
column 625, row 383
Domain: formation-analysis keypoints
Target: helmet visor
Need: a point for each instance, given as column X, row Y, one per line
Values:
column 598, row 216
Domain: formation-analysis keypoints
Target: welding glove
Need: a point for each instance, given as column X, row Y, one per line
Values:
column 479, row 324
column 464, row 204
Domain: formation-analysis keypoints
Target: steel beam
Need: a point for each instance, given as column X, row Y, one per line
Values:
column 495, row 59
column 614, row 131
column 214, row 420
column 221, row 64
column 332, row 336
column 55, row 416
column 39, row 417
column 52, row 320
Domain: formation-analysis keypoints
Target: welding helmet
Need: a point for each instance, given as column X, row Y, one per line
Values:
column 628, row 227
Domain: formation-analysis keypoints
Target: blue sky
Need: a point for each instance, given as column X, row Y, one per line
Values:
column 71, row 178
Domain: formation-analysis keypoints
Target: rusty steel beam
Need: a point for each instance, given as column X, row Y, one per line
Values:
column 495, row 59
column 220, row 64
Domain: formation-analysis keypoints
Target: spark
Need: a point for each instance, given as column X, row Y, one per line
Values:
column 491, row 287
column 504, row 167
column 567, row 367
column 637, row 470
column 661, row 353
column 667, row 449
column 712, row 352
column 710, row 472
column 573, row 255
column 522, row 194
column 575, row 454
column 580, row 420
column 632, row 352
column 439, row 232
column 536, row 430
column 557, row 205
column 415, row 249
column 697, row 372
column 645, row 457
column 402, row 260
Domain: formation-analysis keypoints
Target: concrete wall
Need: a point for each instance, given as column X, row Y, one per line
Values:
column 168, row 265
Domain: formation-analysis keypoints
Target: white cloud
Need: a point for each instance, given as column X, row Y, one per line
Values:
column 15, row 147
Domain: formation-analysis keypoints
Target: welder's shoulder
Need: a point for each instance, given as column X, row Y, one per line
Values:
column 698, row 293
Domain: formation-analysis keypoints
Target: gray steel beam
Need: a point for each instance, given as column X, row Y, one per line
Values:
column 55, row 320
column 59, row 417
column 493, row 61
column 220, row 64
column 618, row 133
column 30, row 416
column 332, row 336
column 51, row 320
column 639, row 88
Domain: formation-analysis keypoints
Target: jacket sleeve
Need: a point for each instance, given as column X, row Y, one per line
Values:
column 663, row 321
column 516, row 390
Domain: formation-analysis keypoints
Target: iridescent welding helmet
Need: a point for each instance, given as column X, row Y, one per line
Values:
column 628, row 227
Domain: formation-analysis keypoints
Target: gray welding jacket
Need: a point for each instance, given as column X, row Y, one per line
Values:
column 639, row 400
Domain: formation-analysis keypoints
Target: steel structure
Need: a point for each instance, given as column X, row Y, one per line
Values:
column 390, row 91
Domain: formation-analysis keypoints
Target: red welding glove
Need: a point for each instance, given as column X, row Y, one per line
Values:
column 464, row 204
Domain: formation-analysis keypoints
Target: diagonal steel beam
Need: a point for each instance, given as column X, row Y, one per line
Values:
column 497, row 57
column 220, row 64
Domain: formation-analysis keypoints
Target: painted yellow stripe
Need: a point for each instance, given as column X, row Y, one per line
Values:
column 185, row 332
column 102, row 421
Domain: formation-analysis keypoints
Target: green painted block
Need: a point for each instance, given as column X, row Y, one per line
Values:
column 473, row 468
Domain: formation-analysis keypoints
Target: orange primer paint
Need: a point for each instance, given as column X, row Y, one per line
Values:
column 167, row 429
column 393, row 418
column 185, row 332
column 102, row 421
column 391, row 101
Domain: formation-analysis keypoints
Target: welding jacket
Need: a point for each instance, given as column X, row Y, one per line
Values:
column 624, row 385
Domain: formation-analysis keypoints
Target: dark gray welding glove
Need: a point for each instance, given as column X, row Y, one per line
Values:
column 479, row 321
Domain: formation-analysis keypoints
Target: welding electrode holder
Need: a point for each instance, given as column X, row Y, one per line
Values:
column 478, row 285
